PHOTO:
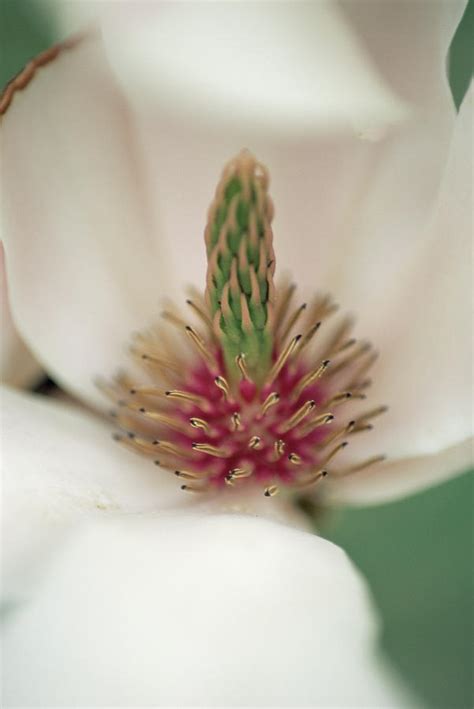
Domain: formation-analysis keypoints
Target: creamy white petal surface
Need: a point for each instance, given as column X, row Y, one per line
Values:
column 270, row 66
column 18, row 367
column 197, row 611
column 409, row 42
column 61, row 466
column 83, row 271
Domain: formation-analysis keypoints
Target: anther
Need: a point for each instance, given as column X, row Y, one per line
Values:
column 334, row 452
column 199, row 423
column 201, row 346
column 311, row 377
column 362, row 466
column 298, row 416
column 240, row 362
column 236, row 422
column 186, row 475
column 292, row 321
column 320, row 420
column 278, row 449
column 255, row 442
column 210, row 450
column 192, row 488
column 272, row 399
column 186, row 396
column 271, row 491
column 222, row 384
column 200, row 312
column 295, row 459
column 282, row 359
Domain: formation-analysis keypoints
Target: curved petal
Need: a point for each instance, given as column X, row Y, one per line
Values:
column 409, row 43
column 425, row 371
column 18, row 367
column 272, row 66
column 61, row 466
column 178, row 610
column 83, row 268
column 393, row 480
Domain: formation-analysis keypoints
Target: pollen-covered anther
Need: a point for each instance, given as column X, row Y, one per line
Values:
column 251, row 395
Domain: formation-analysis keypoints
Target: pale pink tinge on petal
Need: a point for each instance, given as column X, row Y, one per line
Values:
column 85, row 266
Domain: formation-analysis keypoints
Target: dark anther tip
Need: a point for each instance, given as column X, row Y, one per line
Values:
column 188, row 328
column 266, row 493
column 144, row 356
column 155, row 443
column 176, row 472
column 130, row 434
column 116, row 436
column 167, row 393
column 188, row 301
column 344, row 444
column 183, row 487
column 298, row 338
column 156, row 462
column 132, row 391
column 324, row 473
column 193, row 445
column 326, row 362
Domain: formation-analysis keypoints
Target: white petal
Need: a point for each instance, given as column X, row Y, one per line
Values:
column 61, row 466
column 272, row 66
column 197, row 611
column 409, row 42
column 18, row 367
column 393, row 480
column 83, row 268
column 425, row 370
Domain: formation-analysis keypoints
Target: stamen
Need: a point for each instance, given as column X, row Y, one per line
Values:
column 271, row 491
column 188, row 397
column 200, row 313
column 223, row 385
column 316, row 477
column 292, row 321
column 172, row 448
column 278, row 449
column 334, row 452
column 272, row 399
column 309, row 336
column 282, row 359
column 236, row 423
column 255, row 442
column 310, row 378
column 298, row 416
column 240, row 361
column 199, row 423
column 157, row 361
column 320, row 420
column 201, row 346
column 187, row 475
column 372, row 414
column 193, row 488
column 210, row 450
column 169, row 421
column 295, row 459
column 362, row 466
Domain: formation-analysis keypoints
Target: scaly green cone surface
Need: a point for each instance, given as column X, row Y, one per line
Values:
column 241, row 263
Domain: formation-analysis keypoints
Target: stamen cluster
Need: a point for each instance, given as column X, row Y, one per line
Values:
column 250, row 399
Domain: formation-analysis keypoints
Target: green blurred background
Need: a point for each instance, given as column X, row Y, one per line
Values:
column 416, row 554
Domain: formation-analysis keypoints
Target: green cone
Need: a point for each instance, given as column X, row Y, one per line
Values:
column 241, row 263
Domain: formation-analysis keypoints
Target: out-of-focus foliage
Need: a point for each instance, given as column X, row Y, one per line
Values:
column 415, row 553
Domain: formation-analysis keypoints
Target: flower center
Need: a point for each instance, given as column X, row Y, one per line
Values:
column 256, row 396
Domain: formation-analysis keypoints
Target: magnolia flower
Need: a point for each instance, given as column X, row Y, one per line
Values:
column 134, row 591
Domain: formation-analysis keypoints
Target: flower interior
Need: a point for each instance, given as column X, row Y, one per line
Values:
column 247, row 390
